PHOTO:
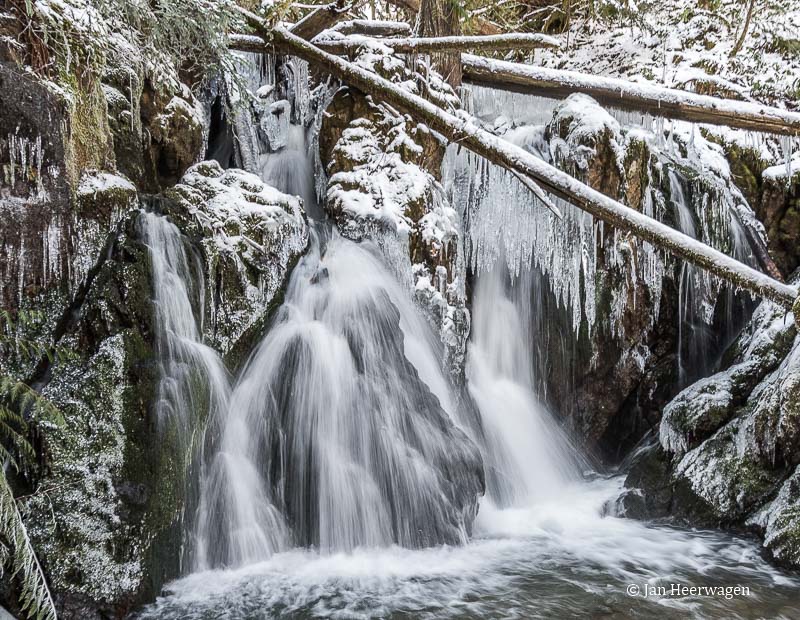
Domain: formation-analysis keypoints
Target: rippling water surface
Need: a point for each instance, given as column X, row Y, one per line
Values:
column 559, row 559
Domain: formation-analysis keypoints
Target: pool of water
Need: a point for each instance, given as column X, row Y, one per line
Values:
column 555, row 559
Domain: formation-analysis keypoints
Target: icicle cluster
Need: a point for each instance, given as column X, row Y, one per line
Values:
column 505, row 222
column 25, row 157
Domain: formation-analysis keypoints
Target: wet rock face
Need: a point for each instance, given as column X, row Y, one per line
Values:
column 780, row 212
column 93, row 534
column 731, row 441
column 627, row 358
column 157, row 123
column 774, row 196
column 34, row 189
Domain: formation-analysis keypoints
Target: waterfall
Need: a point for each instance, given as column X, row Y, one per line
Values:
column 359, row 449
column 194, row 381
column 342, row 473
column 290, row 169
column 689, row 294
column 526, row 456
column 341, row 430
column 194, row 384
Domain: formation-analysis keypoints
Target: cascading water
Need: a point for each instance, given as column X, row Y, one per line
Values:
column 526, row 457
column 194, row 384
column 359, row 450
column 343, row 439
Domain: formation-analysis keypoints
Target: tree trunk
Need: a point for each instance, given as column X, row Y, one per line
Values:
column 657, row 100
column 464, row 131
column 482, row 26
column 745, row 27
column 440, row 18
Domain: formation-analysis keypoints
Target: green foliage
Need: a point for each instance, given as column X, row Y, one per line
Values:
column 34, row 597
column 20, row 406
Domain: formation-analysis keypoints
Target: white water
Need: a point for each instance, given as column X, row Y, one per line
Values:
column 526, row 458
column 194, row 381
column 558, row 558
column 334, row 420
column 341, row 440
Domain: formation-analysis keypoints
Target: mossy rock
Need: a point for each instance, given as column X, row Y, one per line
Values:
column 108, row 529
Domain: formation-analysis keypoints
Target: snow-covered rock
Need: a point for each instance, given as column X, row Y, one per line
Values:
column 249, row 233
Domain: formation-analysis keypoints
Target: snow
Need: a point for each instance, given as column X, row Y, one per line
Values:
column 231, row 200
column 679, row 44
column 615, row 88
column 95, row 182
column 381, row 184
column 784, row 170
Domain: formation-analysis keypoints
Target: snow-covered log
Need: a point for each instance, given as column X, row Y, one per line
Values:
column 373, row 28
column 326, row 16
column 465, row 131
column 657, row 100
column 425, row 45
column 334, row 43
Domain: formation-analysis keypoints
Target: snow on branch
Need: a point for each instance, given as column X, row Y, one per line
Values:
column 334, row 43
column 373, row 28
column 657, row 100
column 464, row 130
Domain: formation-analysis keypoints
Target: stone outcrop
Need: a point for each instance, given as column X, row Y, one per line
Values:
column 250, row 236
column 622, row 363
column 729, row 444
column 111, row 527
column 383, row 184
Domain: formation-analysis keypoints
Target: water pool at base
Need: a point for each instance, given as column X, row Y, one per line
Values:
column 556, row 559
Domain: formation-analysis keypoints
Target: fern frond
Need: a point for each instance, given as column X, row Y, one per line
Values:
column 35, row 597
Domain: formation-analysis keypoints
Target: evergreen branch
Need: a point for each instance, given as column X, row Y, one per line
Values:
column 35, row 597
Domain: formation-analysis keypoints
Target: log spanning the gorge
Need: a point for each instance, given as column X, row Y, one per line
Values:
column 408, row 45
column 657, row 100
column 465, row 131
column 426, row 45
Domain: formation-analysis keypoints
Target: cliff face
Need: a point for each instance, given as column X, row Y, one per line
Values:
column 728, row 449
column 82, row 156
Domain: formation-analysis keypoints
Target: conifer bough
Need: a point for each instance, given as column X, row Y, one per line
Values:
column 465, row 131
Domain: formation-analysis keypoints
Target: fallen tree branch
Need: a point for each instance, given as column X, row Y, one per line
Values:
column 373, row 28
column 465, row 131
column 323, row 18
column 410, row 45
column 657, row 100
column 424, row 45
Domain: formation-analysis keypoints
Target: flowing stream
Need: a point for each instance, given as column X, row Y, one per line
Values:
column 341, row 477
